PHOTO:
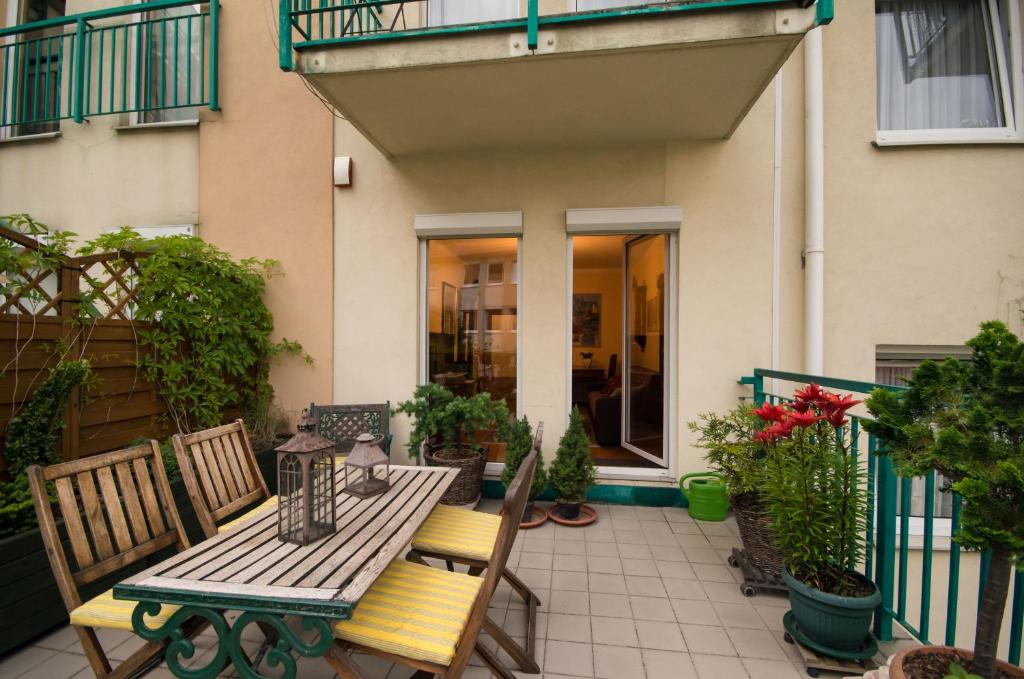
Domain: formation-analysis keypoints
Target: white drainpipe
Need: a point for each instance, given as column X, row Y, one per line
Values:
column 814, row 218
column 777, row 234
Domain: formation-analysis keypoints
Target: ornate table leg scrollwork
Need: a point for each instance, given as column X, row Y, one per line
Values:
column 229, row 641
column 180, row 646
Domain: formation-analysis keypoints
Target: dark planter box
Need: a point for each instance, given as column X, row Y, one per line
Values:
column 30, row 604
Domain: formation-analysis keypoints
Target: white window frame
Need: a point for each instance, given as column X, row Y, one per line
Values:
column 1011, row 83
column 135, row 118
column 435, row 14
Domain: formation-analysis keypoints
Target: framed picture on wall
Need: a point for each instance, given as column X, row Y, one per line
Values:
column 586, row 319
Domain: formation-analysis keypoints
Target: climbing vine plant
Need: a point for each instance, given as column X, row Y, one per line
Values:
column 207, row 345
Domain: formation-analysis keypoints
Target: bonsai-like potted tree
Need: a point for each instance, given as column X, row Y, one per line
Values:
column 518, row 437
column 966, row 421
column 739, row 457
column 815, row 491
column 572, row 472
column 445, row 428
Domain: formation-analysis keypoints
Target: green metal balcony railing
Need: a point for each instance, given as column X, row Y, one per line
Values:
column 889, row 553
column 136, row 58
column 318, row 23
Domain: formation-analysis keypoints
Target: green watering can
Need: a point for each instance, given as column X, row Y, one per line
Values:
column 706, row 495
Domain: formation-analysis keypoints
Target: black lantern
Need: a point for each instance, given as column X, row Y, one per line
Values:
column 305, row 485
column 361, row 468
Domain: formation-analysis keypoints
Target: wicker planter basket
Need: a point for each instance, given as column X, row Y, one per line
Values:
column 466, row 487
column 757, row 535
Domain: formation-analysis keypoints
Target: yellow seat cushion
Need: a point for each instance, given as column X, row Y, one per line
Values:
column 458, row 532
column 262, row 507
column 414, row 611
column 107, row 612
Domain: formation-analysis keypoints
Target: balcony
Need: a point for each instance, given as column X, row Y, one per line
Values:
column 138, row 59
column 414, row 84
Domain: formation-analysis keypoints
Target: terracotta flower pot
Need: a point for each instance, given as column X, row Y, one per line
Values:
column 896, row 666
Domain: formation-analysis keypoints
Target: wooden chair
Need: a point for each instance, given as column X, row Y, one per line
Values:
column 219, row 469
column 467, row 537
column 430, row 619
column 343, row 423
column 128, row 515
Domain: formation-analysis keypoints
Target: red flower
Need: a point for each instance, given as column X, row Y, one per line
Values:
column 764, row 436
column 782, row 429
column 840, row 403
column 801, row 406
column 812, row 393
column 836, row 418
column 771, row 413
column 803, row 419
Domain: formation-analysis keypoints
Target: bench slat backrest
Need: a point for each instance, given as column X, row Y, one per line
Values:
column 117, row 509
column 220, row 471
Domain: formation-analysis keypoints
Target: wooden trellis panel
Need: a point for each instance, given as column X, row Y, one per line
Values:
column 124, row 405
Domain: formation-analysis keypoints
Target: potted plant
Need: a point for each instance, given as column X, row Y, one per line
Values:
column 739, row 457
column 965, row 420
column 446, row 426
column 816, row 494
column 572, row 472
column 518, row 437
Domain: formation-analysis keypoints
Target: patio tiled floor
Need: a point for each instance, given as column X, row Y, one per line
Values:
column 644, row 592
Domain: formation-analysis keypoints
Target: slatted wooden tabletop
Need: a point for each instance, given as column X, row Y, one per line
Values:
column 248, row 568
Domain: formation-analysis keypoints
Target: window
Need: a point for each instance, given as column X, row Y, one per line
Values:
column 894, row 364
column 948, row 70
column 170, row 51
column 32, row 72
column 472, row 343
column 586, row 5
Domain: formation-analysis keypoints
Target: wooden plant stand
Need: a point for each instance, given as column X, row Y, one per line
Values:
column 815, row 661
column 588, row 515
column 754, row 580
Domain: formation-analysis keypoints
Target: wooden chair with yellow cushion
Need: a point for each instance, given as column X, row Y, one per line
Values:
column 127, row 514
column 219, row 469
column 467, row 537
column 428, row 618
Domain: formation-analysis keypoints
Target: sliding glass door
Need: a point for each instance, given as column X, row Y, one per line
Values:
column 644, row 328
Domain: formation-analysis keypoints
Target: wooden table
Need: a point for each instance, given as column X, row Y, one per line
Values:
column 248, row 569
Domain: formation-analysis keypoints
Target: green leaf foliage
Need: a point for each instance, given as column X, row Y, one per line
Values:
column 33, row 435
column 439, row 416
column 966, row 420
column 17, row 513
column 572, row 471
column 209, row 346
column 957, row 671
column 731, row 448
column 518, row 438
column 20, row 265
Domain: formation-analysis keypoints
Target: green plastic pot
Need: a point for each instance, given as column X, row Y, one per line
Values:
column 838, row 622
column 705, row 495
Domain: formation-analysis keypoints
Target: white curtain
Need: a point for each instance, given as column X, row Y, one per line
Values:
column 936, row 65
column 451, row 12
column 584, row 5
column 163, row 55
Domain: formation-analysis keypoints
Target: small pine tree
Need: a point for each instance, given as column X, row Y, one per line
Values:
column 518, row 437
column 572, row 472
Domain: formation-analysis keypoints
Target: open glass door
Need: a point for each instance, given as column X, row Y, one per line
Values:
column 644, row 329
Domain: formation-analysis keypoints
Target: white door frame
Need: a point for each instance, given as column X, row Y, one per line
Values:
column 634, row 221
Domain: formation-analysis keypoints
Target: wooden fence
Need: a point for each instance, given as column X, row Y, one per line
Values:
column 41, row 323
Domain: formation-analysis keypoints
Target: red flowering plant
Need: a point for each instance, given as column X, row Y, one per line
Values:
column 814, row 489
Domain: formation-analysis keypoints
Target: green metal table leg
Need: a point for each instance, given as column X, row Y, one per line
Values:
column 229, row 641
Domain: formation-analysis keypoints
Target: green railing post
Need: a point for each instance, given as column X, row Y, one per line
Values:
column 885, row 546
column 214, row 55
column 1016, row 618
column 79, row 78
column 926, row 556
column 532, row 24
column 758, row 388
column 286, row 58
column 953, row 591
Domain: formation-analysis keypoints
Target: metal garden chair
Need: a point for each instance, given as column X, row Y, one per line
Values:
column 342, row 424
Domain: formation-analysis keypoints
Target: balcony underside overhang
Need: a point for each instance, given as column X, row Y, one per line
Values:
column 632, row 80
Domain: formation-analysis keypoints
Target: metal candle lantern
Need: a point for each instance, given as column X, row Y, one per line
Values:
column 360, row 476
column 305, row 485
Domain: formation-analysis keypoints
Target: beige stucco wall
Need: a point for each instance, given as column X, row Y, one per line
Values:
column 94, row 176
column 265, row 190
